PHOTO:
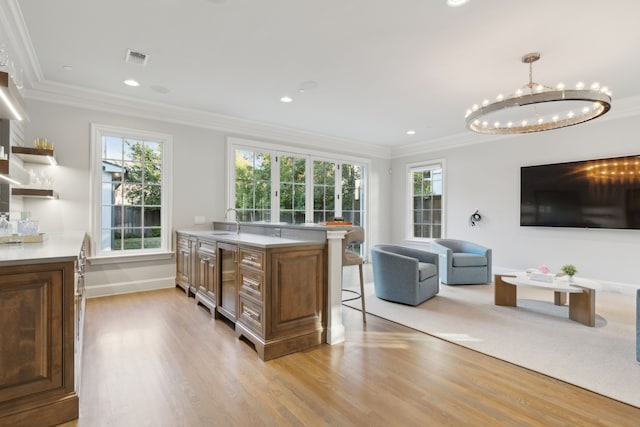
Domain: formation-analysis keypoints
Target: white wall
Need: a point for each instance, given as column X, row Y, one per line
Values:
column 198, row 186
column 486, row 176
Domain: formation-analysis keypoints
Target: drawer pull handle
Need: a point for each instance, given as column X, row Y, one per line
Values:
column 251, row 314
column 252, row 259
column 251, row 283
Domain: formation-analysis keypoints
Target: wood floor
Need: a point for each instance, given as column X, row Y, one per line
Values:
column 157, row 359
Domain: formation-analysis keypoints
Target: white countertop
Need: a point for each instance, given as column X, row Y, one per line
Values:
column 248, row 238
column 56, row 247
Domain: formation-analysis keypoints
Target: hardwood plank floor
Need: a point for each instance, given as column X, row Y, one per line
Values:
column 157, row 359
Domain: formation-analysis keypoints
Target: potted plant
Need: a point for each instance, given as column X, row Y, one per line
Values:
column 569, row 270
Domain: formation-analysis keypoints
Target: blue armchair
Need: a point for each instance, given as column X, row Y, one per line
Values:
column 404, row 275
column 462, row 263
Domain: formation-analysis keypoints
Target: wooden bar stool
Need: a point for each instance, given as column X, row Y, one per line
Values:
column 349, row 257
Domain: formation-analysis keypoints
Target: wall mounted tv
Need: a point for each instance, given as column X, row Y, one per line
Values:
column 602, row 193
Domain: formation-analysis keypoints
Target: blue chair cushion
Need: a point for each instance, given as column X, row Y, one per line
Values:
column 468, row 260
column 426, row 270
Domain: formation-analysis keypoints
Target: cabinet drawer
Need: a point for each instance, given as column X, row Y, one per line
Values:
column 251, row 315
column 206, row 248
column 251, row 283
column 252, row 258
column 183, row 241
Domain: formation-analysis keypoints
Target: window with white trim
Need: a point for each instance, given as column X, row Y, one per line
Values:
column 426, row 207
column 130, row 194
column 268, row 184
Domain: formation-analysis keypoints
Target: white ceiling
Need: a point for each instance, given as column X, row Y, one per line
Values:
column 382, row 67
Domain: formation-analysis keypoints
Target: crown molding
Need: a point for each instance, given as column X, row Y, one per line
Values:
column 73, row 96
column 37, row 88
column 19, row 42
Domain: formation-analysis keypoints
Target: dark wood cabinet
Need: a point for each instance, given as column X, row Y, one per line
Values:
column 185, row 260
column 39, row 317
column 282, row 299
column 276, row 295
column 206, row 275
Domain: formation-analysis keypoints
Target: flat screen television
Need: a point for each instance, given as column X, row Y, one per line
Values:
column 601, row 193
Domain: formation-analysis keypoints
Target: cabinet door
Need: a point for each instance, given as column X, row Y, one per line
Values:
column 228, row 281
column 183, row 262
column 210, row 282
column 207, row 275
column 192, row 276
column 296, row 292
column 34, row 308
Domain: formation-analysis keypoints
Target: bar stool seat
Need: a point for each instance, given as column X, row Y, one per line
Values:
column 349, row 257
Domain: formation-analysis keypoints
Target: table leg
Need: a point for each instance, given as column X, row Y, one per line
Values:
column 503, row 293
column 582, row 307
column 560, row 298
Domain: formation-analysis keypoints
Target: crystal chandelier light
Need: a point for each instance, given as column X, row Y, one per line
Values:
column 536, row 107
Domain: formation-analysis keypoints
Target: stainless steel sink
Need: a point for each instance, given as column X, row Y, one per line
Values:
column 222, row 233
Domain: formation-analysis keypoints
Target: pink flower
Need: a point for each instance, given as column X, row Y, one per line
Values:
column 543, row 269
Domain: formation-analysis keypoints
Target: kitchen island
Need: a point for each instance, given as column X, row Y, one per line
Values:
column 41, row 308
column 279, row 283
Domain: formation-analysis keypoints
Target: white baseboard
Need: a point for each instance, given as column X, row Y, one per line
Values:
column 130, row 287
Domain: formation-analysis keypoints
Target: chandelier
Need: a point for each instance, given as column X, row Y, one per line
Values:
column 536, row 107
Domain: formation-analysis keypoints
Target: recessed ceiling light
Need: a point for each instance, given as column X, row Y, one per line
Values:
column 411, row 132
column 286, row 99
column 307, row 85
column 456, row 3
column 131, row 82
column 160, row 89
column 67, row 68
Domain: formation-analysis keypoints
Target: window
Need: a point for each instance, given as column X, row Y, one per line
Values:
column 130, row 176
column 426, row 203
column 272, row 185
column 253, row 185
column 293, row 187
column 352, row 193
column 324, row 191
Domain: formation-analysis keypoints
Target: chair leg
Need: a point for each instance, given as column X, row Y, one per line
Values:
column 364, row 312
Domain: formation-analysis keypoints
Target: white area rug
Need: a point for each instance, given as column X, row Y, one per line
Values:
column 536, row 334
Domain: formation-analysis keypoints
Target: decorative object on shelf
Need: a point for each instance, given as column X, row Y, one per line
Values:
column 536, row 107
column 43, row 144
column 40, row 180
column 475, row 218
column 570, row 270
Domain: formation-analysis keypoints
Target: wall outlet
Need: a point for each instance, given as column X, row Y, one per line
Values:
column 277, row 232
column 199, row 219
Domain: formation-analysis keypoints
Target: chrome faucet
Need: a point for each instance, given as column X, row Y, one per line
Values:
column 237, row 220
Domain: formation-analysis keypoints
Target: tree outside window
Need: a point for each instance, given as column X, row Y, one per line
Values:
column 426, row 201
column 292, row 189
column 131, row 194
column 302, row 189
column 253, row 185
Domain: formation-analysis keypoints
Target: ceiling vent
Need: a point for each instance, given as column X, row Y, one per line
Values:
column 135, row 57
